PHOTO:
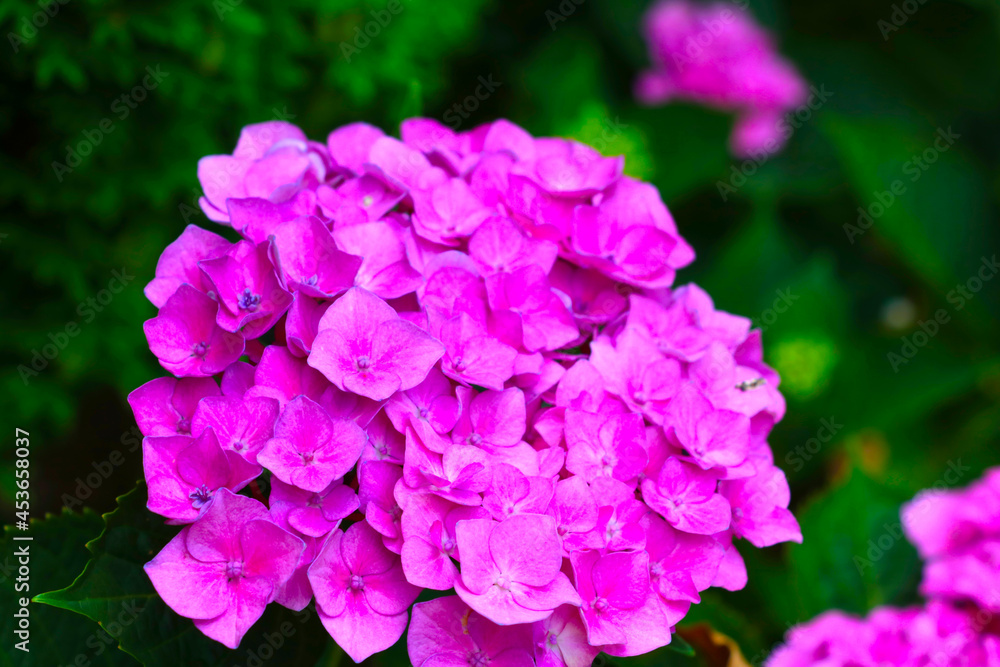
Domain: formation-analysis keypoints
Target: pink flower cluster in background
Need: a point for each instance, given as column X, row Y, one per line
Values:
column 457, row 363
column 958, row 533
column 717, row 55
column 937, row 634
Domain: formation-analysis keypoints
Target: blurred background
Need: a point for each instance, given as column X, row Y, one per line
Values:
column 882, row 318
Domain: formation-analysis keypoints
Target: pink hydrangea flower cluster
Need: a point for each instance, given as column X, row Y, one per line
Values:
column 459, row 362
column 717, row 55
column 958, row 533
column 937, row 634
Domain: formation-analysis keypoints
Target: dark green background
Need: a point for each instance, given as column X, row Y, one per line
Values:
column 230, row 63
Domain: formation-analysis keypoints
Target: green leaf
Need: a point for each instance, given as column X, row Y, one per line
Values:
column 679, row 645
column 56, row 551
column 854, row 555
column 114, row 591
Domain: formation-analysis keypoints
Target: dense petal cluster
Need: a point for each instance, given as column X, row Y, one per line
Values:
column 937, row 634
column 455, row 362
column 717, row 55
column 958, row 532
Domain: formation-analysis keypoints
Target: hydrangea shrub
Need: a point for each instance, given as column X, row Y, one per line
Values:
column 460, row 364
column 958, row 533
column 718, row 55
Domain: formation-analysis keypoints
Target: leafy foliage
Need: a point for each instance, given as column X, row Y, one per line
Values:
column 115, row 592
column 849, row 304
column 56, row 552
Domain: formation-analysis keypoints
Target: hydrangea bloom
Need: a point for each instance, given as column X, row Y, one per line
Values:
column 935, row 635
column 455, row 362
column 719, row 56
column 958, row 533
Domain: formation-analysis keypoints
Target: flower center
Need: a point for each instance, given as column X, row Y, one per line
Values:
column 367, row 201
column 553, row 638
column 200, row 497
column 424, row 413
column 474, row 439
column 364, row 362
column 503, row 581
column 600, row 605
column 448, row 545
column 479, row 659
column 737, row 513
column 639, row 396
column 307, row 457
column 357, row 582
column 248, row 301
column 459, row 364
column 234, row 570
column 311, row 280
column 200, row 349
column 316, row 500
column 184, row 426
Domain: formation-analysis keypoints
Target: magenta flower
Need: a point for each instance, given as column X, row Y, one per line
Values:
column 511, row 569
column 459, row 362
column 686, row 497
column 361, row 592
column 611, row 587
column 429, row 545
column 166, row 406
column 377, row 481
column 223, row 570
column 528, row 312
column 281, row 375
column 512, row 492
column 473, row 356
column 681, row 565
column 446, row 633
column 309, row 513
column 958, row 533
column 241, row 425
column 364, row 347
column 736, row 68
column 630, row 236
column 385, row 269
column 760, row 508
column 460, row 475
column 184, row 474
column 269, row 157
column 186, row 339
column 310, row 260
column 493, row 419
column 249, row 291
column 713, row 438
column 934, row 635
column 561, row 640
column 637, row 373
column 605, row 446
column 179, row 263
column 430, row 408
column 575, row 511
column 385, row 443
column 309, row 449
